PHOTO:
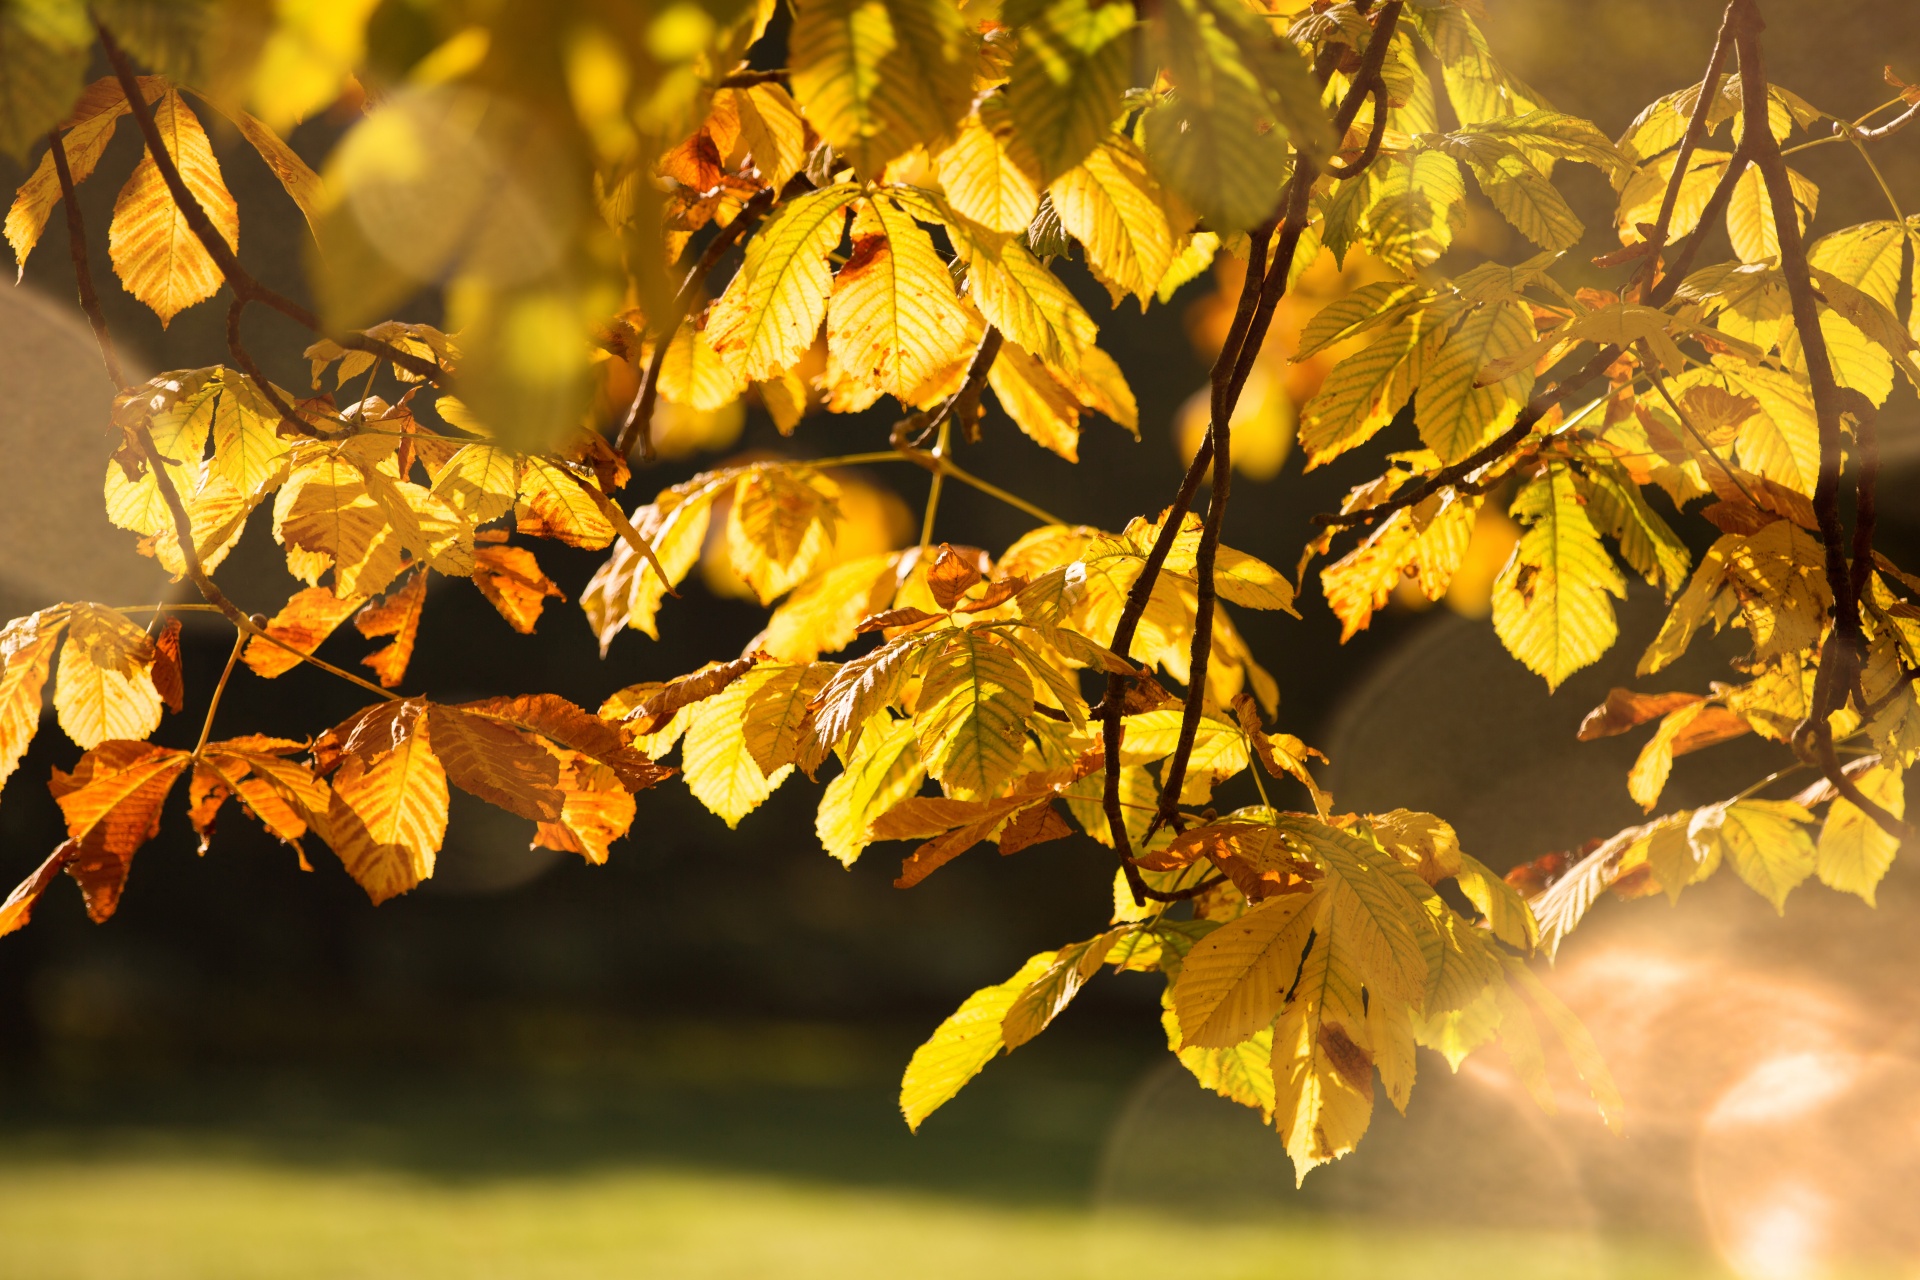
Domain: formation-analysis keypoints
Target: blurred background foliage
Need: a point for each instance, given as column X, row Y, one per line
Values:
column 251, row 1072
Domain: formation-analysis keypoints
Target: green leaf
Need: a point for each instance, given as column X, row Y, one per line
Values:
column 1550, row 604
column 879, row 77
column 1415, row 201
column 1072, row 66
column 962, row 1045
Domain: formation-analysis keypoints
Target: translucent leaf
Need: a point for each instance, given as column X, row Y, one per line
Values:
column 1550, row 604
column 1854, row 850
column 879, row 77
column 962, row 1045
column 154, row 252
column 1073, row 63
column 26, row 654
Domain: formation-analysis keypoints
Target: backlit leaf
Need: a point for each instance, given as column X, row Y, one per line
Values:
column 963, row 1044
column 1550, row 604
column 154, row 252
column 1854, row 850
column 878, row 77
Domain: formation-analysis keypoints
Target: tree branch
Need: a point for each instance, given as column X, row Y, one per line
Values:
column 82, row 271
column 637, row 428
column 1841, row 656
column 238, row 278
column 1696, row 130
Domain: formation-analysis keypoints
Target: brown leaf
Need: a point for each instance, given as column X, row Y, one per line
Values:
column 501, row 765
column 887, row 619
column 1033, row 826
column 598, row 810
column 554, row 718
column 1253, row 856
column 1140, row 693
column 396, row 615
column 1712, row 726
column 368, row 732
column 778, row 721
column 1281, row 754
column 998, row 592
column 1624, row 709
column 953, row 574
column 687, row 690
column 306, row 620
column 513, row 583
column 18, row 907
column 26, row 654
column 166, row 667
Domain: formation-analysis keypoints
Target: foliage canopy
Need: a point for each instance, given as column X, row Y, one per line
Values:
column 640, row 213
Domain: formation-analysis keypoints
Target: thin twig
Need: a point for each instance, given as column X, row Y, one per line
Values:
column 82, row 272
column 1696, row 130
column 637, row 427
column 213, row 705
column 749, row 78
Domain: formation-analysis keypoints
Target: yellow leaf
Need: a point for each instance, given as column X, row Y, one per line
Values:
column 1854, row 851
column 972, row 713
column 553, row 503
column 1043, row 409
column 719, row 770
column 397, row 615
column 1322, row 1059
column 894, row 319
column 1550, row 604
column 963, row 1044
column 1110, row 205
column 766, row 319
column 1021, row 298
column 1365, row 390
column 1429, row 538
column 775, row 716
column 878, row 77
column 1454, row 413
column 26, row 653
column 301, row 183
column 822, row 614
column 775, row 134
column 1243, row 1072
column 982, row 182
column 105, row 686
column 1763, row 842
column 694, row 374
column 1648, row 777
column 884, row 769
column 1043, row 999
column 311, row 51
column 388, row 815
column 1750, row 213
column 154, row 252
column 1069, row 72
column 89, row 128
column 625, row 591
column 782, row 522
column 480, row 482
column 1235, row 980
column 1381, row 904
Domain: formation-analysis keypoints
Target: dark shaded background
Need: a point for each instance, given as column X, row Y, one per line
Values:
column 738, row 997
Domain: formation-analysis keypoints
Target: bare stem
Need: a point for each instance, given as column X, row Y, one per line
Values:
column 82, row 272
column 213, row 706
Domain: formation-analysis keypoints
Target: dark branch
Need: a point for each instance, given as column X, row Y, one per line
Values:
column 1696, row 130
column 82, row 271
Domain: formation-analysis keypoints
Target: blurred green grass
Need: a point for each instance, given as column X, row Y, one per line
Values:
column 151, row 1217
column 708, row 1152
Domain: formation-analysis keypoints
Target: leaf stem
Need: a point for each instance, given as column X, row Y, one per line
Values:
column 213, row 706
column 939, row 456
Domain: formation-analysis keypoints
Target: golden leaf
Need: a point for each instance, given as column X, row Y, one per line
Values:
column 388, row 814
column 154, row 252
column 105, row 685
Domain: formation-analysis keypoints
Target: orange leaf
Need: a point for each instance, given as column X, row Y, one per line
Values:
column 598, row 810
column 555, row 718
column 26, row 654
column 155, row 253
column 112, row 802
column 501, row 765
column 513, row 583
column 396, row 615
column 166, row 667
column 1033, row 826
column 388, row 815
column 953, row 574
column 687, row 690
column 19, row 905
column 1624, row 709
column 307, row 619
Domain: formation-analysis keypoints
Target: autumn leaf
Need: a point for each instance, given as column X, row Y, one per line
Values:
column 112, row 802
column 963, row 1044
column 880, row 77
column 388, row 813
column 514, row 584
column 1550, row 603
column 307, row 619
column 26, row 654
column 105, row 689
column 154, row 252
column 396, row 615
